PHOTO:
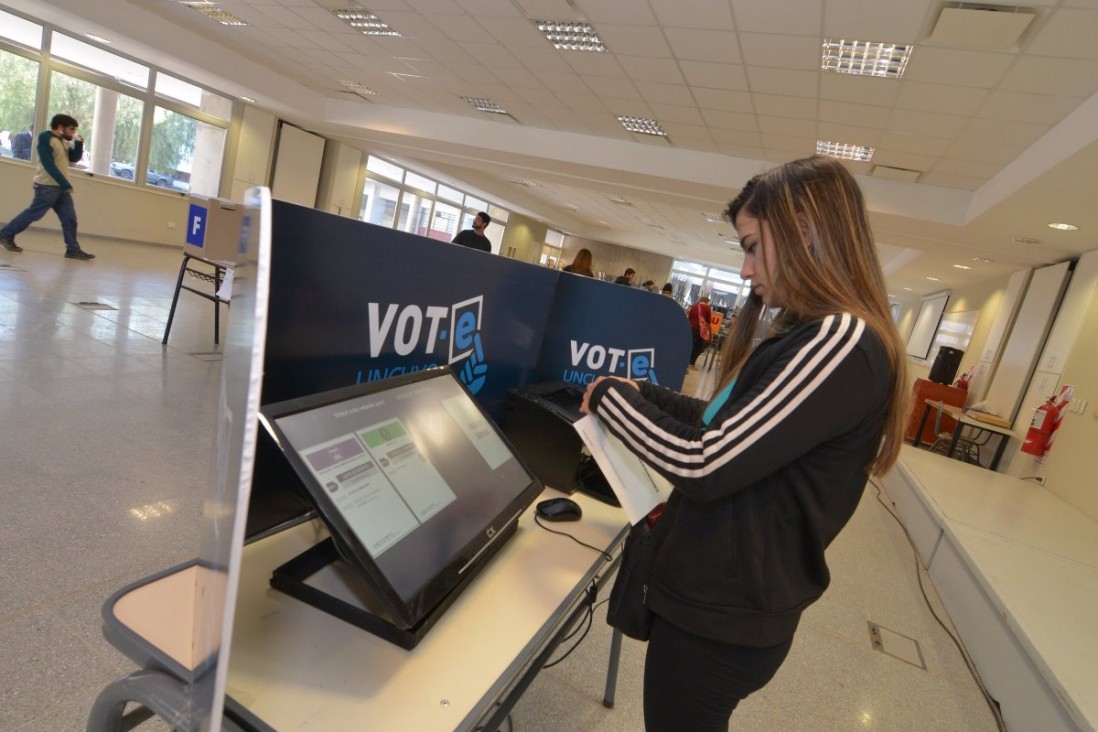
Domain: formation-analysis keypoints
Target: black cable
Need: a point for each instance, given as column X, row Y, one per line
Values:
column 605, row 554
column 992, row 704
column 510, row 723
column 585, row 624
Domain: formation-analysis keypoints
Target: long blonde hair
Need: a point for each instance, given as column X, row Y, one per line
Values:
column 817, row 199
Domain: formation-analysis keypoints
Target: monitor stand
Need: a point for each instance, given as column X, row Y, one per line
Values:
column 320, row 577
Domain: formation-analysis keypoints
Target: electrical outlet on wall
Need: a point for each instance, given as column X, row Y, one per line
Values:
column 171, row 224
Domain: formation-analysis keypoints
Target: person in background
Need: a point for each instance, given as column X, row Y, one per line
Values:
column 649, row 285
column 582, row 264
column 474, row 238
column 768, row 471
column 57, row 147
column 626, row 278
column 699, row 316
column 21, row 144
column 668, row 290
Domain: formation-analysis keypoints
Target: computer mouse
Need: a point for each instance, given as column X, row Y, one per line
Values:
column 559, row 509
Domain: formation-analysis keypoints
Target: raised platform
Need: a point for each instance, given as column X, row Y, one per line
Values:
column 1017, row 569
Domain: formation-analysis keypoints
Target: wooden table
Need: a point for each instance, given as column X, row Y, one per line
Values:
column 962, row 418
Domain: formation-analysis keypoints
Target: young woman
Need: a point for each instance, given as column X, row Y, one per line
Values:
column 699, row 315
column 582, row 264
column 769, row 470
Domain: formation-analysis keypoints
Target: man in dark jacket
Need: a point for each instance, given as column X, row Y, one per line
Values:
column 474, row 238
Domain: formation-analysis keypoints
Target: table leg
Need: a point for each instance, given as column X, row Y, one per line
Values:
column 956, row 437
column 175, row 297
column 1003, row 439
column 922, row 425
column 612, row 670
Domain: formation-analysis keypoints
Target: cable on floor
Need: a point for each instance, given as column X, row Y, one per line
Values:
column 992, row 704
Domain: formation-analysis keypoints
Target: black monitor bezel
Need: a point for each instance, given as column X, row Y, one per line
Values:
column 404, row 614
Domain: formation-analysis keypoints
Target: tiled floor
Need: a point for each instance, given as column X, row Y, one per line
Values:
column 106, row 437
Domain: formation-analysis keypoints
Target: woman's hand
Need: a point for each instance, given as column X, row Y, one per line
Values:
column 585, row 407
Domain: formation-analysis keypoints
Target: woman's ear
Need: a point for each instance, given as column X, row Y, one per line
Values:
column 806, row 230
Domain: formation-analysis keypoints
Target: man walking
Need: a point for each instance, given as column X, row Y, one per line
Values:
column 57, row 147
column 474, row 238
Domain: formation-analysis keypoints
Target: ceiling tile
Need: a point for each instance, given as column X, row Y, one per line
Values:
column 634, row 40
column 712, row 14
column 562, row 82
column 461, row 28
column 787, row 126
column 513, row 32
column 435, row 6
column 483, row 8
column 677, row 114
column 582, row 102
column 927, row 123
column 798, row 17
column 866, row 20
column 786, row 82
column 849, row 134
column 957, row 99
column 723, row 100
column 415, row 27
column 951, row 181
column 446, row 50
column 1068, row 33
column 1040, row 75
column 661, row 70
column 679, row 131
column 984, row 152
column 704, row 45
column 966, row 168
column 796, row 147
column 859, row 89
column 861, row 115
column 922, row 144
column 1023, row 107
column 982, row 69
column 1021, row 134
column 781, row 51
column 714, row 76
column 595, row 64
column 730, row 120
column 614, row 88
column 630, row 108
column 779, row 106
column 615, row 11
column 741, row 144
column 517, row 76
column 908, row 161
column 666, row 93
column 491, row 55
column 544, row 59
column 284, row 17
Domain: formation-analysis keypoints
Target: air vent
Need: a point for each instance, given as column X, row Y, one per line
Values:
column 615, row 198
column 980, row 27
column 905, row 174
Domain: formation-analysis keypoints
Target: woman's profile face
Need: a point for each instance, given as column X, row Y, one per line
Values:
column 758, row 254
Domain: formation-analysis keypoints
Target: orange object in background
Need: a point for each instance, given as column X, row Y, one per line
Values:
column 715, row 320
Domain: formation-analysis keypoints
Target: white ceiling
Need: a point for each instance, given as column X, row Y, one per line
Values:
column 1002, row 141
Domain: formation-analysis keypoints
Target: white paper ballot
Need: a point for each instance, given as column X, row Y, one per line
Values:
column 638, row 488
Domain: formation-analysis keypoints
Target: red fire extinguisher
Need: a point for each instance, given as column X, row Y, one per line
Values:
column 1040, row 428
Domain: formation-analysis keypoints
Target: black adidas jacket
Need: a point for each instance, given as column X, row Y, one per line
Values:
column 762, row 491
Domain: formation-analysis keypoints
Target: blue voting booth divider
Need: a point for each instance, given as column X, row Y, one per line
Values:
column 353, row 302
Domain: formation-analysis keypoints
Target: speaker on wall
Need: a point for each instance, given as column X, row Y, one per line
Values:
column 945, row 365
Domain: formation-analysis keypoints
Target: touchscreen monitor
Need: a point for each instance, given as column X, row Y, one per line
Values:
column 414, row 481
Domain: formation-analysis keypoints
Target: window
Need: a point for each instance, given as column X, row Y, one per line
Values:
column 215, row 105
column 420, row 183
column 414, row 211
column 446, row 193
column 379, row 202
column 96, row 59
column 185, row 153
column 17, row 95
column 21, row 31
column 110, row 123
column 444, row 222
column 385, row 169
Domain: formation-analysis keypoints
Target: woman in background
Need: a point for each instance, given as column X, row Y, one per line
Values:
column 582, row 264
column 769, row 470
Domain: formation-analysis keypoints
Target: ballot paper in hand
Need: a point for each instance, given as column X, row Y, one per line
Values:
column 638, row 488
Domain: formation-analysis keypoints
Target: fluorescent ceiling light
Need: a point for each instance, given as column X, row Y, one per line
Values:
column 571, row 207
column 642, row 125
column 933, row 279
column 843, row 151
column 961, row 266
column 982, row 260
column 865, row 58
column 249, row 100
column 98, row 39
column 360, row 89
column 526, row 183
column 211, row 11
column 712, row 217
column 566, row 35
column 1026, row 240
column 1060, row 226
column 616, row 198
column 365, row 22
column 484, row 105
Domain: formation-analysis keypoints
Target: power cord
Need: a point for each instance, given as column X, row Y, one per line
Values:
column 584, row 625
column 992, row 704
column 605, row 555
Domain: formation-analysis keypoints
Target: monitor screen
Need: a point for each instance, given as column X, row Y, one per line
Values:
column 413, row 479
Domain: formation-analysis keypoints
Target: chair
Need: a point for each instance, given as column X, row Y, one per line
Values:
column 969, row 446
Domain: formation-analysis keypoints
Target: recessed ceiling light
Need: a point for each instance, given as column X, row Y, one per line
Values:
column 211, row 11
column 933, row 279
column 98, row 39
column 615, row 198
column 360, row 89
column 365, row 22
column 713, row 218
column 567, row 35
column 982, row 260
column 571, row 207
column 249, row 100
column 908, row 289
column 843, row 151
column 1060, row 226
column 642, row 125
column 526, row 183
column 484, row 105
column 961, row 266
column 1025, row 240
column 865, row 58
